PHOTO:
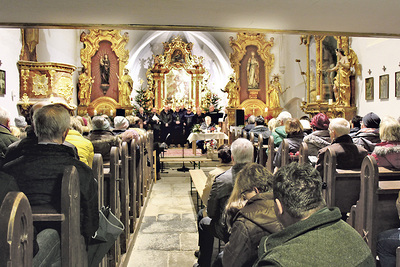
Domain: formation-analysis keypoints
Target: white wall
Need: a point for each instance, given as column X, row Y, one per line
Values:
column 10, row 47
column 373, row 54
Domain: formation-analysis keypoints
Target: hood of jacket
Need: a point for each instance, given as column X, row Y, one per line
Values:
column 319, row 138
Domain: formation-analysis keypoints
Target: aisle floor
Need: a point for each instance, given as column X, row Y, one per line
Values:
column 168, row 234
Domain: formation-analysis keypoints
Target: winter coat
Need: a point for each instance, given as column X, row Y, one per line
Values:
column 348, row 155
column 323, row 239
column 367, row 138
column 387, row 154
column 264, row 131
column 254, row 221
column 294, row 141
column 220, row 191
column 38, row 172
column 102, row 141
column 279, row 134
column 6, row 139
column 317, row 140
column 84, row 146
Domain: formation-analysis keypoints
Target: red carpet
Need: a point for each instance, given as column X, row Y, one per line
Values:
column 177, row 152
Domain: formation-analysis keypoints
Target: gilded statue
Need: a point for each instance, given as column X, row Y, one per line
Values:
column 253, row 72
column 233, row 93
column 85, row 88
column 274, row 89
column 125, row 88
column 341, row 84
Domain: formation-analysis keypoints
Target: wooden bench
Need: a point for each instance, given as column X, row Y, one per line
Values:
column 73, row 248
column 261, row 151
column 375, row 210
column 16, row 231
column 271, row 154
column 124, row 195
column 192, row 160
column 199, row 180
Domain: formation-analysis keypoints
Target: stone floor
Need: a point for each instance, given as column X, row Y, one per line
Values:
column 168, row 234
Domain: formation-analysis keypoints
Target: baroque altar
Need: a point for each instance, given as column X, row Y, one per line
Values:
column 104, row 83
column 177, row 76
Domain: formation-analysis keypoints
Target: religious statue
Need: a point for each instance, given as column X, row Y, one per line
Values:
column 85, row 88
column 30, row 38
column 125, row 88
column 233, row 93
column 177, row 56
column 253, row 72
column 105, row 70
column 341, row 86
column 273, row 93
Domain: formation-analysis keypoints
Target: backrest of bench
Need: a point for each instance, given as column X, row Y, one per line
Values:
column 16, row 231
column 285, row 153
column 124, row 193
column 262, row 156
column 133, row 185
column 271, row 154
column 303, row 153
column 98, row 174
column 376, row 209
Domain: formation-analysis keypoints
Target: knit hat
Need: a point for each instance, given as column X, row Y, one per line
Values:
column 20, row 122
column 100, row 123
column 371, row 120
column 320, row 122
column 120, row 123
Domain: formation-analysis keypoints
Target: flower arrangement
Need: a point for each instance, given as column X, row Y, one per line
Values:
column 211, row 144
column 196, row 128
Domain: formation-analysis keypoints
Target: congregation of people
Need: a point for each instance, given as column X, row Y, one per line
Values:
column 264, row 218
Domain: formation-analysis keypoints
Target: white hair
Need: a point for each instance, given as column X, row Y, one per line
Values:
column 4, row 116
column 283, row 116
column 340, row 126
column 242, row 151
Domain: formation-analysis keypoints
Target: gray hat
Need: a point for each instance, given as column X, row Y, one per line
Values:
column 100, row 123
column 20, row 121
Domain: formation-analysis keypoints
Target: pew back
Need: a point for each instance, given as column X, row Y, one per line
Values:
column 271, row 154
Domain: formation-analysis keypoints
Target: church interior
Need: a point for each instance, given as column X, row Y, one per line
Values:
column 259, row 57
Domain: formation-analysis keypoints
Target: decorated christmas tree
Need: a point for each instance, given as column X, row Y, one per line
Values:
column 143, row 99
column 211, row 99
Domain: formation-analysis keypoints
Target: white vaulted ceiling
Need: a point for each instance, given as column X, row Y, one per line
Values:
column 368, row 17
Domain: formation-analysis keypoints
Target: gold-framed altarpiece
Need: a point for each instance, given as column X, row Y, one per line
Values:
column 177, row 76
column 252, row 62
column 104, row 59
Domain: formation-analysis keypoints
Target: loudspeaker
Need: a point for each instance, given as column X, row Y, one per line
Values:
column 120, row 112
column 239, row 117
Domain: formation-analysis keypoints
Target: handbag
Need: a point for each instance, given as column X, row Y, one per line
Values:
column 110, row 227
column 108, row 224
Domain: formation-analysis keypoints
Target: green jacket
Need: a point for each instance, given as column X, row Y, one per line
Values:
column 323, row 239
column 279, row 134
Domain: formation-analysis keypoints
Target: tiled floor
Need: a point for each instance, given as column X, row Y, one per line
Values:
column 168, row 234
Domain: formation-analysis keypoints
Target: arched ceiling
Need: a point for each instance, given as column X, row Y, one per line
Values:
column 368, row 17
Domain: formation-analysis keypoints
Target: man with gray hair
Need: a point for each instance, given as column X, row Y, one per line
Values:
column 250, row 124
column 348, row 154
column 39, row 170
column 6, row 138
column 279, row 133
column 214, row 225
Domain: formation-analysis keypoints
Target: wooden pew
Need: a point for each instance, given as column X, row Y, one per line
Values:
column 376, row 208
column 111, row 176
column 271, row 154
column 199, row 180
column 341, row 187
column 133, row 190
column 303, row 153
column 124, row 195
column 261, row 151
column 16, row 231
column 285, row 153
column 73, row 248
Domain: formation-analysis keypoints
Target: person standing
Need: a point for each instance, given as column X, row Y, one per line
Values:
column 166, row 124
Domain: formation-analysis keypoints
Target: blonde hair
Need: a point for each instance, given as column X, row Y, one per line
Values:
column 293, row 126
column 389, row 129
column 340, row 126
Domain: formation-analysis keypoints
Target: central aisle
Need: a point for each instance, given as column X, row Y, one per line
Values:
column 168, row 234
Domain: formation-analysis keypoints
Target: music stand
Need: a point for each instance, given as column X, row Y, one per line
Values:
column 183, row 168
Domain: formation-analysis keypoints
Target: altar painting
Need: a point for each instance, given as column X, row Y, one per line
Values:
column 178, row 84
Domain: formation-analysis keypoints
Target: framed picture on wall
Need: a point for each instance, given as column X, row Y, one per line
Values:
column 384, row 86
column 369, row 88
column 2, row 82
column 397, row 84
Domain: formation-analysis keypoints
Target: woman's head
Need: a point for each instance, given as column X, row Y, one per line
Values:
column 389, row 129
column 293, row 126
column 224, row 153
column 253, row 176
column 320, row 122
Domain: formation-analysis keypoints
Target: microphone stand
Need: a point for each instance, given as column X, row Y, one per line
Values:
column 183, row 168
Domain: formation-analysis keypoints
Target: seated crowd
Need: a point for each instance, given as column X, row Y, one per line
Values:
column 263, row 218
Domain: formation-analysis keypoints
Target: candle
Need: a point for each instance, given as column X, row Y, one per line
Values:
column 95, row 112
column 318, row 97
column 330, row 101
column 111, row 112
column 303, row 99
